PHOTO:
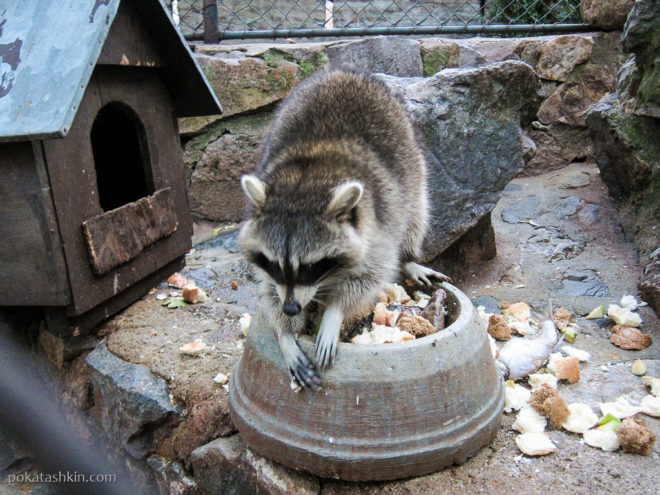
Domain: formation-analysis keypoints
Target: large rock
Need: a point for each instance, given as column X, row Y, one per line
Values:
column 557, row 145
column 628, row 155
column 226, row 465
column 626, row 147
column 606, row 14
column 559, row 56
column 469, row 123
column 573, row 99
column 394, row 56
column 642, row 78
column 215, row 162
column 243, row 84
column 649, row 285
column 133, row 405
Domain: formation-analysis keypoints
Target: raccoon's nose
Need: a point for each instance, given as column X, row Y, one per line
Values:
column 292, row 308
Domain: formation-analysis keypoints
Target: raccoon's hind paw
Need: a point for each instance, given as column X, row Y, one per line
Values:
column 423, row 275
column 303, row 372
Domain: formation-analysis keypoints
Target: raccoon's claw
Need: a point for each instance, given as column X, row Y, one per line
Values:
column 423, row 275
column 304, row 373
column 326, row 350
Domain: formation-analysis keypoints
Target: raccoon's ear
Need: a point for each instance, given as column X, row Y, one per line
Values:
column 345, row 197
column 254, row 189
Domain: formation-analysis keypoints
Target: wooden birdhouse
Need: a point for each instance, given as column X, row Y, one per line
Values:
column 93, row 208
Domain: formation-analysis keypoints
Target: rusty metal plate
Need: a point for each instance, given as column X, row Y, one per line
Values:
column 385, row 411
column 119, row 235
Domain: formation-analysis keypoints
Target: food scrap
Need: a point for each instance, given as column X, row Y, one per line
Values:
column 580, row 419
column 396, row 294
column 652, row 382
column 568, row 369
column 177, row 280
column 562, row 318
column 618, row 426
column 518, row 317
column 515, row 396
column 606, row 440
column 435, row 309
column 529, row 420
column 596, row 313
column 381, row 334
column 193, row 294
column 623, row 316
column 620, row 408
column 547, row 401
column 650, row 405
column 498, row 328
column 174, row 302
column 537, row 380
column 221, row 378
column 399, row 318
column 635, row 436
column 535, row 443
column 195, row 348
column 582, row 355
column 416, row 325
column 638, row 367
column 629, row 338
column 629, row 302
column 244, row 321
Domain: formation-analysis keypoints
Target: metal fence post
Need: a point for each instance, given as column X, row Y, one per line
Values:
column 211, row 34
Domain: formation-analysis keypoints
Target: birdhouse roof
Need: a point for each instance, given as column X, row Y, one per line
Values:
column 48, row 51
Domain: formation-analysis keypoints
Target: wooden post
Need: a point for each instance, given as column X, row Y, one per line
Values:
column 211, row 22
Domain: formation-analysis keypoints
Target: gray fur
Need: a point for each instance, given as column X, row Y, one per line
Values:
column 334, row 133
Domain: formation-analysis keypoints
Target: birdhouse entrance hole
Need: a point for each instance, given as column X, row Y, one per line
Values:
column 121, row 156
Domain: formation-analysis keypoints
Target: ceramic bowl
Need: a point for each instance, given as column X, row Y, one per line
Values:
column 384, row 411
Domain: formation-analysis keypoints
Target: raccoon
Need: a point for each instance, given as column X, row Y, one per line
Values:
column 338, row 208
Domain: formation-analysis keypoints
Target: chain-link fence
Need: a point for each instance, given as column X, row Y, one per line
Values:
column 238, row 19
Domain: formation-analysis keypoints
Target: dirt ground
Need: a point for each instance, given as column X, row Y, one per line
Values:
column 557, row 238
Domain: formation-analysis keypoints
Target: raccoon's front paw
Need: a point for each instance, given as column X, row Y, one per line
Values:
column 422, row 274
column 327, row 340
column 326, row 349
column 303, row 372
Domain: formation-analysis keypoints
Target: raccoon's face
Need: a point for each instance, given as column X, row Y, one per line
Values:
column 302, row 254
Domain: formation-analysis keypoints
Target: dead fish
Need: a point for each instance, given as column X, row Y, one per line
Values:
column 521, row 357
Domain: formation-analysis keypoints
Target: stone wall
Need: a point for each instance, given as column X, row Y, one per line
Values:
column 625, row 127
column 575, row 71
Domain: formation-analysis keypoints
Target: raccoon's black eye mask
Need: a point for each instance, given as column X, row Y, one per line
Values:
column 311, row 272
column 307, row 274
column 272, row 268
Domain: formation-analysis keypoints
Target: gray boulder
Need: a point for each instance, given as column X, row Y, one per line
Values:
column 469, row 123
column 394, row 56
column 226, row 465
column 641, row 80
column 133, row 404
